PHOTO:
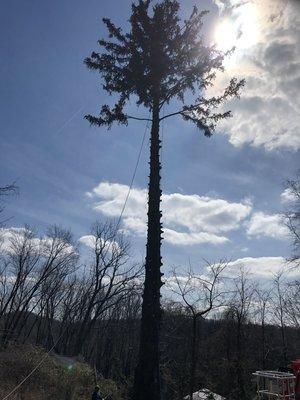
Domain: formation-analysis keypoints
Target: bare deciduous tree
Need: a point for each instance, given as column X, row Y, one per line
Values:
column 108, row 278
column 292, row 303
column 279, row 312
column 239, row 311
column 293, row 217
column 5, row 191
column 263, row 299
column 200, row 293
column 31, row 263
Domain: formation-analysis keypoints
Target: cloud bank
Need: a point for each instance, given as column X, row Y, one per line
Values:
column 188, row 219
column 259, row 267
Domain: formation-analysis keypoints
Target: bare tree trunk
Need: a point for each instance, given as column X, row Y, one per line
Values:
column 241, row 391
column 284, row 344
column 281, row 312
column 147, row 385
column 193, row 357
column 264, row 346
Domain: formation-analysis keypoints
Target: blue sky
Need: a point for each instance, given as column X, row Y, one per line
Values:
column 57, row 158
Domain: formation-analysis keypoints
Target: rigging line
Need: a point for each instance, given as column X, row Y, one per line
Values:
column 34, row 369
column 133, row 175
column 45, row 356
column 68, row 121
column 130, row 186
column 118, row 223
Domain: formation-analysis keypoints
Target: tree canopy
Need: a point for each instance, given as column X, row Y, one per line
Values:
column 161, row 58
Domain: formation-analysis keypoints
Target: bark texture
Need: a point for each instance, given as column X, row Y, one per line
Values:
column 147, row 377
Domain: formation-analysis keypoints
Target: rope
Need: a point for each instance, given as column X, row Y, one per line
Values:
column 133, row 176
column 34, row 369
column 118, row 223
column 46, row 355
column 59, row 130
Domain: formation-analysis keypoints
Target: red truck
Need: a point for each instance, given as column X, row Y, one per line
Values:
column 295, row 368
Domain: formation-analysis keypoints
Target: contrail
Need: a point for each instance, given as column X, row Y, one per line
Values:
column 68, row 121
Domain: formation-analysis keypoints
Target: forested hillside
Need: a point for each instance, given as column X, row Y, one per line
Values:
column 82, row 304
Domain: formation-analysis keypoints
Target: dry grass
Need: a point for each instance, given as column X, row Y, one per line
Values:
column 52, row 380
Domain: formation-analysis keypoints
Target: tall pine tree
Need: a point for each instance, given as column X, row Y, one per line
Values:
column 161, row 59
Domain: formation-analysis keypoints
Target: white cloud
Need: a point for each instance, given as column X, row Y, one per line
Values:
column 113, row 197
column 137, row 225
column 257, row 269
column 262, row 224
column 268, row 112
column 189, row 239
column 90, row 241
column 202, row 213
column 260, row 267
column 11, row 237
column 287, row 196
column 188, row 219
column 254, row 267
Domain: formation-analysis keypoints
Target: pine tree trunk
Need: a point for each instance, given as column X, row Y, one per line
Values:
column 147, row 375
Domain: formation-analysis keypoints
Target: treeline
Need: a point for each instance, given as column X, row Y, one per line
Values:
column 86, row 300
column 49, row 293
column 228, row 351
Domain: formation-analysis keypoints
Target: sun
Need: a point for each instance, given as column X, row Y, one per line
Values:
column 226, row 35
column 241, row 30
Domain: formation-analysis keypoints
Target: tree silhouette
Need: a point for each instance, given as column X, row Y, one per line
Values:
column 200, row 295
column 293, row 217
column 159, row 60
column 6, row 190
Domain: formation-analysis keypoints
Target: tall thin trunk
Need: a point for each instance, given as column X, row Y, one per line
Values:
column 241, row 392
column 193, row 356
column 147, row 384
column 264, row 346
column 282, row 326
column 284, row 343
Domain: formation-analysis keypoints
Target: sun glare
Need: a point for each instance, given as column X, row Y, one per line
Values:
column 240, row 31
column 226, row 35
